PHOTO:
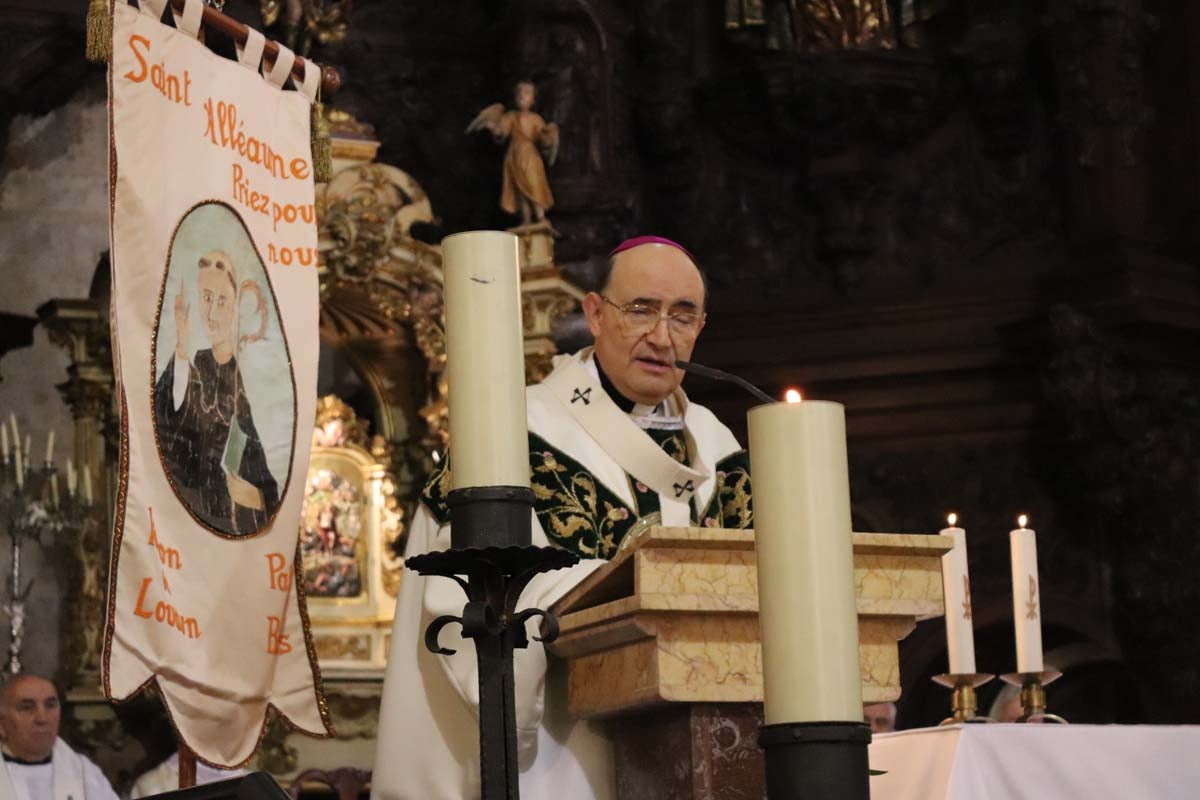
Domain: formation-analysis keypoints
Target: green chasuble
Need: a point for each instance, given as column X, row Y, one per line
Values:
column 581, row 514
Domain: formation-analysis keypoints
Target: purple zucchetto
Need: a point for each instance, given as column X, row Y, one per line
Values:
column 638, row 241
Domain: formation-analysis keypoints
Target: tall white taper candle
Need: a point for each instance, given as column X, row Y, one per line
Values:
column 485, row 361
column 87, row 485
column 956, row 589
column 4, row 441
column 70, row 477
column 20, row 467
column 1027, row 598
column 805, row 563
column 50, row 446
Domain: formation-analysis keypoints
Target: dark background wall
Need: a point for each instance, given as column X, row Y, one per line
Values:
column 982, row 240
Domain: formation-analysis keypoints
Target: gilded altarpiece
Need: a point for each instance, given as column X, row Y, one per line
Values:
column 350, row 519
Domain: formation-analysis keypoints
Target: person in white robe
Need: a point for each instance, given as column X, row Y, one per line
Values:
column 165, row 777
column 614, row 448
column 37, row 764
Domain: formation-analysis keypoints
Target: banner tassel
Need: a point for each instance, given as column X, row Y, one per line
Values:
column 322, row 147
column 99, row 32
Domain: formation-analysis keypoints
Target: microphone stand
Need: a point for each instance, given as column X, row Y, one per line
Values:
column 718, row 375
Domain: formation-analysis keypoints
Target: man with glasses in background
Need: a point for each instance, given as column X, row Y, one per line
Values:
column 614, row 449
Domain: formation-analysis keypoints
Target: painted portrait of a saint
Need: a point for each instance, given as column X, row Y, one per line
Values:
column 224, row 397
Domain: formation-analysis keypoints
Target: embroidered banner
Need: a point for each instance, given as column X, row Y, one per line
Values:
column 214, row 309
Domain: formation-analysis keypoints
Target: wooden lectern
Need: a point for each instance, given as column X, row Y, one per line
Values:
column 664, row 641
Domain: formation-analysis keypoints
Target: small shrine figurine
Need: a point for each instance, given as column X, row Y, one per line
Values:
column 525, row 190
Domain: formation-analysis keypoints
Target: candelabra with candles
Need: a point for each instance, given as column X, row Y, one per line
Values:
column 31, row 510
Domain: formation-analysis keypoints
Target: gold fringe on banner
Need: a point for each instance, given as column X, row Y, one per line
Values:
column 99, row 32
column 322, row 147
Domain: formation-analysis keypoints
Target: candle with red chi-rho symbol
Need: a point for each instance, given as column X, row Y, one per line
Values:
column 1027, row 597
column 956, row 590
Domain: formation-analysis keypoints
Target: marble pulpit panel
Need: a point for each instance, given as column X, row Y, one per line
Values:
column 674, row 619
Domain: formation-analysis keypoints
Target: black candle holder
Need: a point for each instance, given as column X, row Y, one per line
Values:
column 492, row 558
column 817, row 760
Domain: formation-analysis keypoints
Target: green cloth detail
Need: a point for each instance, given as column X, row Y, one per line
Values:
column 732, row 504
column 674, row 443
column 577, row 512
column 581, row 514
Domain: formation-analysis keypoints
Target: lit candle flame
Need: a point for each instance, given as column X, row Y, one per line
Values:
column 951, row 518
column 1021, row 520
column 792, row 396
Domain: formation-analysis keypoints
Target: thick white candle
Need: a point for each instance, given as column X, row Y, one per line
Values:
column 956, row 589
column 50, row 446
column 12, row 421
column 70, row 477
column 4, row 441
column 19, row 466
column 87, row 484
column 1027, row 598
column 485, row 361
column 805, row 563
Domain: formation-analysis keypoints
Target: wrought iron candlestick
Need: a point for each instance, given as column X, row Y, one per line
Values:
column 30, row 509
column 1033, row 694
column 962, row 703
column 495, row 576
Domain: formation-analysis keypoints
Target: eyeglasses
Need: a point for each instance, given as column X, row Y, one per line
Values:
column 638, row 319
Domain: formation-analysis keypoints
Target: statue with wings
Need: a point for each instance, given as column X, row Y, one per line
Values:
column 526, row 189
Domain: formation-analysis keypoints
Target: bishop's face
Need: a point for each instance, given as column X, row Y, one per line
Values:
column 218, row 301
column 640, row 361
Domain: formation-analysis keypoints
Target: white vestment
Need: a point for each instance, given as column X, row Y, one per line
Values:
column 428, row 740
column 165, row 777
column 67, row 776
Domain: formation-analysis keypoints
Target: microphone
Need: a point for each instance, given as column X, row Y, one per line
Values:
column 718, row 375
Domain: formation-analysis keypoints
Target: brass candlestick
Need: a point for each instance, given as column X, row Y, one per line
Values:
column 962, row 702
column 1033, row 694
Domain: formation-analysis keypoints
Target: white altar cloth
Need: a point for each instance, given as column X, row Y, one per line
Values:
column 1038, row 762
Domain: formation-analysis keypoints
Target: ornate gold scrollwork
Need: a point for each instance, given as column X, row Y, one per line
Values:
column 375, row 276
column 814, row 25
column 308, row 22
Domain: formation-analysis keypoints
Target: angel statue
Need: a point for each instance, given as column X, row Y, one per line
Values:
column 526, row 189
